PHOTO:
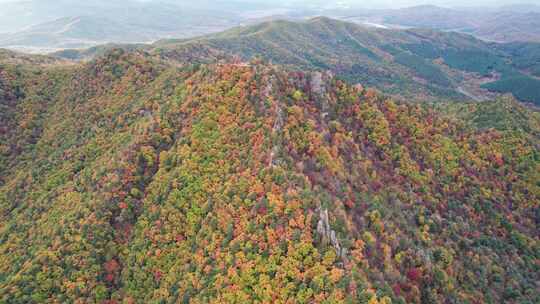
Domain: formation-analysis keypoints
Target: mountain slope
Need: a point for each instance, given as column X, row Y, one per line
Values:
column 503, row 114
column 348, row 50
column 511, row 27
column 421, row 64
column 134, row 179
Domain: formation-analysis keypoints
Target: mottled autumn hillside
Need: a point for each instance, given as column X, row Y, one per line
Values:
column 130, row 180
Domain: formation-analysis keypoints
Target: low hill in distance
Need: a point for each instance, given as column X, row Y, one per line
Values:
column 517, row 23
column 165, row 15
column 74, row 32
column 40, row 26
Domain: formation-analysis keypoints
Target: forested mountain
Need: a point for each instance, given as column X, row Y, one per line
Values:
column 423, row 64
column 137, row 178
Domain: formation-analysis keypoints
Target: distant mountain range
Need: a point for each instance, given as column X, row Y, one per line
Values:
column 43, row 26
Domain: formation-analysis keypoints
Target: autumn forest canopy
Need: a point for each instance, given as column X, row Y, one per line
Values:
column 225, row 170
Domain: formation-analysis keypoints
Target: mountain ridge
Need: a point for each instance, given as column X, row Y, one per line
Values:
column 423, row 63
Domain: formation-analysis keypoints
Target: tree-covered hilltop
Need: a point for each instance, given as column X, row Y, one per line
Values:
column 130, row 179
column 415, row 63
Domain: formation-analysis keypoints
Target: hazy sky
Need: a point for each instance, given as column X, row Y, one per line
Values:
column 446, row 3
column 370, row 3
column 408, row 3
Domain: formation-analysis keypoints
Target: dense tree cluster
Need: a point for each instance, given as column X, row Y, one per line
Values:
column 132, row 180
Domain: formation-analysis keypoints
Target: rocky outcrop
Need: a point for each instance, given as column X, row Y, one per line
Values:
column 328, row 236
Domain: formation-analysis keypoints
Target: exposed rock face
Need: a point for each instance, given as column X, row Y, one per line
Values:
column 317, row 83
column 318, row 87
column 328, row 235
column 276, row 130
